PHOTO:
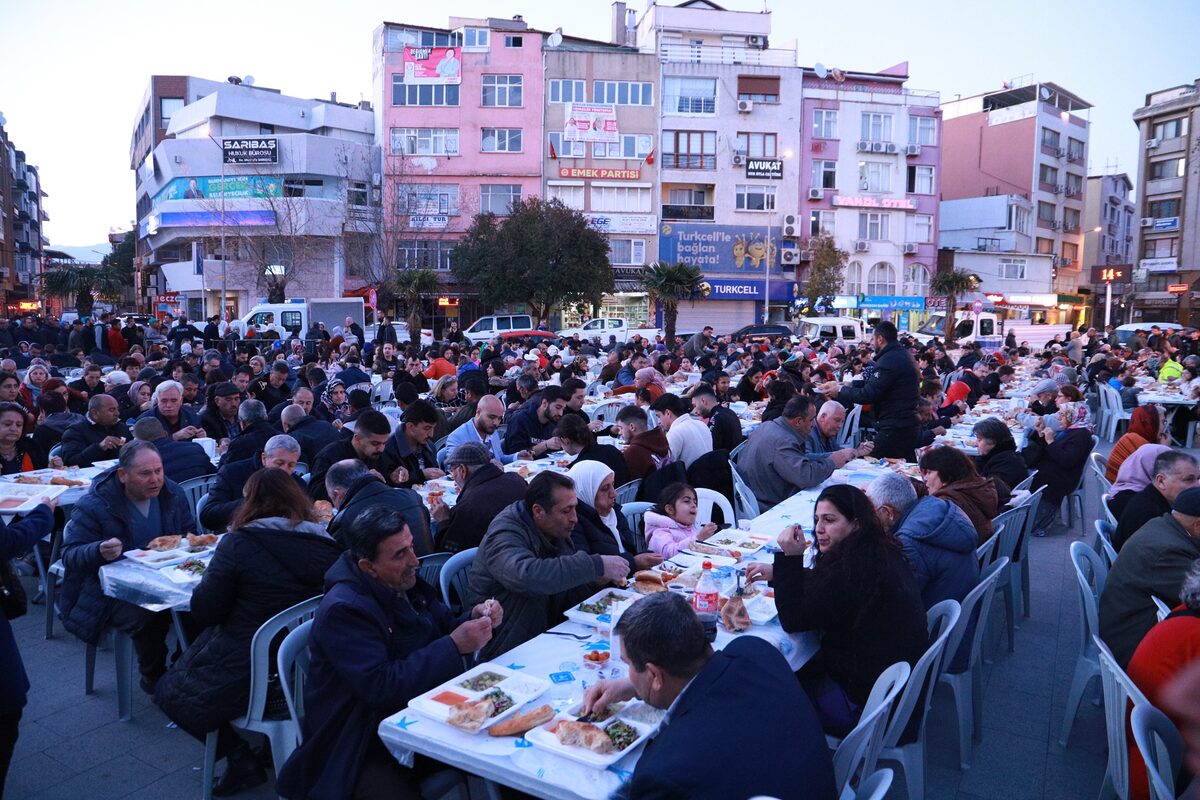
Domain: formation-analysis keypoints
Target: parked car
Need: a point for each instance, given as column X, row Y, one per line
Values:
column 847, row 329
column 485, row 328
column 537, row 337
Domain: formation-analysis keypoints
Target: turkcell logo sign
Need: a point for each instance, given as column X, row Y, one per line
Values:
column 734, row 290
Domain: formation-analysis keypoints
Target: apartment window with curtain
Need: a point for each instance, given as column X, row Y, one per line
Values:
column 1050, row 138
column 920, row 180
column 424, row 253
column 760, row 89
column 689, row 149
column 1071, row 219
column 567, row 91
column 570, row 194
column 567, row 148
column 873, row 226
column 496, row 198
column 1013, row 269
column 500, row 140
column 916, row 280
column 502, row 91
column 1171, row 128
column 1045, row 246
column 631, row 145
column 167, row 106
column 626, row 252
column 881, row 280
column 922, row 130
column 1164, row 208
column 825, row 123
column 876, row 127
column 427, row 198
column 630, row 199
column 425, row 141
column 824, row 175
column 921, row 228
column 1047, row 174
column 1045, row 211
column 853, row 283
column 758, row 145
column 875, row 176
column 1169, row 168
column 754, row 197
column 820, row 223
column 689, row 95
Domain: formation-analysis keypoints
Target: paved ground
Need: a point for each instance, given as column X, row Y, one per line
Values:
column 72, row 745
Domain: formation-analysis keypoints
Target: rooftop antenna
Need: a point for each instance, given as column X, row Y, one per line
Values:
column 555, row 39
column 3, row 120
column 822, row 73
column 248, row 80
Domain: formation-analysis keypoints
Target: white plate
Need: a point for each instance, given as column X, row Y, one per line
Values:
column 45, row 475
column 520, row 687
column 542, row 737
column 177, row 575
column 20, row 498
column 714, row 559
column 576, row 614
column 736, row 539
column 159, row 559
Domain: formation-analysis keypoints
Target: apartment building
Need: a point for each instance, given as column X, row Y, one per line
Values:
column 244, row 193
column 1029, row 140
column 1109, row 231
column 458, row 114
column 1168, row 208
column 870, row 172
column 22, row 243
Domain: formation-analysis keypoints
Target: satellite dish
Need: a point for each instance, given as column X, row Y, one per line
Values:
column 1045, row 93
column 822, row 73
column 3, row 119
column 555, row 39
column 248, row 80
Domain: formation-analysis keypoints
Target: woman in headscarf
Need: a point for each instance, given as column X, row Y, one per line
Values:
column 1059, row 457
column 601, row 528
column 31, row 387
column 135, row 401
column 1145, row 427
column 1135, row 474
column 334, row 405
column 647, row 378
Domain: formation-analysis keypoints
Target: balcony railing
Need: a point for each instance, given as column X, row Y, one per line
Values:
column 688, row 161
column 689, row 104
column 725, row 54
column 678, row 212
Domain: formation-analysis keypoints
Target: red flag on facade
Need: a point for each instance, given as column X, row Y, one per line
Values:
column 650, row 157
column 552, row 153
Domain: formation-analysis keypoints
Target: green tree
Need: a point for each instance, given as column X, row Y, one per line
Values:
column 952, row 285
column 544, row 253
column 669, row 285
column 409, row 289
column 83, row 283
column 826, row 272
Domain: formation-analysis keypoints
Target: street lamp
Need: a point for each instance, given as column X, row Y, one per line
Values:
column 224, row 255
column 787, row 154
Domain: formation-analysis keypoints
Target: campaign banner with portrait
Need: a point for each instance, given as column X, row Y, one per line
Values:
column 432, row 65
column 231, row 187
column 591, row 122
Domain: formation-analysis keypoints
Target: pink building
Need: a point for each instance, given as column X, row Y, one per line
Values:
column 459, row 116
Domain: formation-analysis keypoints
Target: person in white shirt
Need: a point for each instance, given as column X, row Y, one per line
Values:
column 687, row 437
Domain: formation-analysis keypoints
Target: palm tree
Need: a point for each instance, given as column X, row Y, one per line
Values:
column 952, row 284
column 83, row 283
column 670, row 284
column 411, row 286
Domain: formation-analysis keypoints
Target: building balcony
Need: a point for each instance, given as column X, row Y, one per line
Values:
column 688, row 161
column 691, row 213
column 726, row 54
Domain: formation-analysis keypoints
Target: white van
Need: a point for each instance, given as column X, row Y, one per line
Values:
column 1126, row 332
column 484, row 329
column 846, row 329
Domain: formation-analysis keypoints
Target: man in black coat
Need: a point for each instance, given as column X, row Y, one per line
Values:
column 724, row 425
column 484, row 490
column 367, row 443
column 220, row 416
column 672, row 667
column 273, row 389
column 252, row 418
column 182, row 461
column 85, row 388
column 892, row 392
column 353, row 489
column 225, row 497
column 98, row 437
column 1174, row 471
column 353, row 375
column 313, row 434
column 408, row 448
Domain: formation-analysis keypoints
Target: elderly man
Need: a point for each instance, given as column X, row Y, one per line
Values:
column 774, row 463
column 225, row 497
column 98, row 436
column 370, row 437
column 313, row 434
column 126, row 509
column 408, row 454
column 528, row 562
column 166, row 405
column 182, row 461
column 380, row 637
column 484, row 491
column 822, row 439
column 255, row 430
column 687, row 437
column 483, row 427
column 723, row 424
column 1173, row 472
column 673, row 667
column 646, row 449
column 353, row 489
column 220, row 416
column 531, row 428
column 1151, row 564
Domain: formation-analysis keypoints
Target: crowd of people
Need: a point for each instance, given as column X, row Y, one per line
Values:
column 353, row 528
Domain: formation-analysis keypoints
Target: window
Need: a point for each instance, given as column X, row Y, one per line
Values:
column 874, row 176
column 1047, row 174
column 623, row 93
column 921, row 228
column 427, row 198
column 496, row 198
column 167, row 106
column 763, row 89
column 1045, row 246
column 873, row 226
column 423, row 94
column 824, row 175
column 916, row 280
column 502, row 91
column 1170, row 168
column 475, row 38
column 687, row 197
column 758, row 145
column 266, row 130
column 825, row 123
column 877, row 127
column 514, row 41
column 922, row 130
column 1045, row 211
column 1074, row 149
column 690, row 96
column 1050, row 138
column 853, row 278
column 565, row 148
column 571, row 195
column 1161, row 248
column 636, row 199
column 303, row 187
column 562, row 91
column 920, row 180
column 1070, row 252
column 1074, row 185
column 689, row 149
column 425, row 141
column 1071, row 219
column 627, row 252
column 881, row 280
column 1164, row 208
column 1018, row 219
column 501, row 140
column 755, row 197
column 357, row 193
column 1012, row 269
column 1171, row 128
column 631, row 145
column 820, row 223
column 424, row 253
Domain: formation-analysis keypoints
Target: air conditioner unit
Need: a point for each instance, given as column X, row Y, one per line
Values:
column 862, row 246
column 878, row 147
column 910, row 248
column 816, row 194
column 912, row 150
column 745, row 106
column 791, row 219
column 738, row 159
column 376, row 179
column 757, row 42
column 1061, row 152
column 864, row 185
column 1147, row 222
column 789, row 256
column 1151, row 144
column 1058, row 189
column 891, row 148
column 807, row 255
column 1056, row 225
column 864, row 147
column 791, row 231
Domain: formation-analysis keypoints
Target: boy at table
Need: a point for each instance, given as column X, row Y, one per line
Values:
column 746, row 686
column 380, row 637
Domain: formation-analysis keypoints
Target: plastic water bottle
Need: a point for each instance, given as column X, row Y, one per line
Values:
column 706, row 599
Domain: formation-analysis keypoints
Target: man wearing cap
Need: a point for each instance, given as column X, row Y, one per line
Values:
column 220, row 416
column 1043, row 405
column 484, row 490
column 1151, row 564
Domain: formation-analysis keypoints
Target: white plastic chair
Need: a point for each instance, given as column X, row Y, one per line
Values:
column 848, row 435
column 917, row 698
column 1033, row 501
column 1119, row 692
column 55, row 451
column 283, row 734
column 1025, row 485
column 197, row 490
column 855, row 756
column 1162, row 609
column 1161, row 746
column 1113, row 413
column 707, row 499
column 1091, row 573
column 985, row 551
column 455, row 575
column 1009, row 527
column 608, row 410
column 633, row 513
column 628, row 492
column 875, row 787
column 1099, row 466
column 745, row 505
column 737, row 451
column 967, row 686
column 292, row 662
column 1108, row 515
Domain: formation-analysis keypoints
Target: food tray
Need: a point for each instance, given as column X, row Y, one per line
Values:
column 159, row 559
column 177, row 575
column 737, row 543
column 761, row 607
column 695, row 557
column 44, row 477
column 636, row 714
column 576, row 614
column 520, row 687
column 19, row 498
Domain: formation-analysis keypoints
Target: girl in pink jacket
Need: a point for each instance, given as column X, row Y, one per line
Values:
column 671, row 525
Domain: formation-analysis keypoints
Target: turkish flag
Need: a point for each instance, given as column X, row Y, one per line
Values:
column 553, row 154
column 650, row 158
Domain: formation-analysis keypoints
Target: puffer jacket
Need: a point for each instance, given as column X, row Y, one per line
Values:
column 258, row 571
column 939, row 541
column 103, row 514
column 667, row 537
column 1003, row 464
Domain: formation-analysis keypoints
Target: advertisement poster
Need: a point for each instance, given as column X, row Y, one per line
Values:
column 718, row 249
column 591, row 122
column 259, row 150
column 233, row 187
column 432, row 65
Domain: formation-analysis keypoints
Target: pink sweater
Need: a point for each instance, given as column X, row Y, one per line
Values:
column 666, row 536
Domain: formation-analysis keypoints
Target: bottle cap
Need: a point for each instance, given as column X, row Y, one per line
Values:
column 706, row 565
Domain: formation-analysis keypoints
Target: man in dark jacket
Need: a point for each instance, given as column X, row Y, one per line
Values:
column 353, row 489
column 225, row 497
column 273, row 389
column 367, row 443
column 313, row 434
column 220, row 416
column 125, row 510
column 353, row 375
column 1174, row 471
column 484, row 490
column 645, row 449
column 892, row 394
column 255, row 430
column 85, row 388
column 167, row 406
column 532, row 426
column 381, row 637
column 182, row 461
column 672, row 667
column 725, row 426
column 98, row 437
column 408, row 447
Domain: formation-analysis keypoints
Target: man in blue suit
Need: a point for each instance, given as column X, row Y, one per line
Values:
column 746, row 686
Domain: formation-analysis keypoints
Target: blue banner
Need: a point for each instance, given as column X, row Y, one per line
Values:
column 719, row 249
column 887, row 301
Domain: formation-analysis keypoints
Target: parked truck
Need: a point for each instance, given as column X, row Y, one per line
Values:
column 604, row 327
column 990, row 330
column 295, row 316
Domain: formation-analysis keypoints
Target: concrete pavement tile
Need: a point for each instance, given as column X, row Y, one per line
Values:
column 1007, row 767
column 32, row 773
column 113, row 779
